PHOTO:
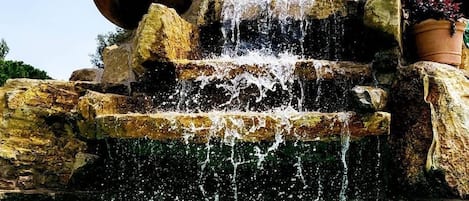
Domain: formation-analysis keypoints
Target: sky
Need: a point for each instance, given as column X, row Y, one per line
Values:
column 56, row 36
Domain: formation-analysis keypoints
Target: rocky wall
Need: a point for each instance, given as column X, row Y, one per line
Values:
column 40, row 145
column 430, row 132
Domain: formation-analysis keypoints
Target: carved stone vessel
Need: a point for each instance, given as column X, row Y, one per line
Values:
column 127, row 13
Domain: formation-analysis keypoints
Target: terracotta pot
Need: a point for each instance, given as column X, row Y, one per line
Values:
column 435, row 43
column 127, row 13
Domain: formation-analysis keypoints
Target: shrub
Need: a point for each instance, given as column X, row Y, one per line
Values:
column 18, row 69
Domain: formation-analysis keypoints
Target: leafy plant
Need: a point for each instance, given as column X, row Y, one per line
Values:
column 421, row 10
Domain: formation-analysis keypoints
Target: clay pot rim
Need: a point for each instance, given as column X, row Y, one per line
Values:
column 432, row 24
column 127, row 18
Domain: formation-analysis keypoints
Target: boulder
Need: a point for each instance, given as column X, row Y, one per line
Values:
column 162, row 35
column 87, row 74
column 370, row 98
column 384, row 15
column 431, row 135
column 117, row 68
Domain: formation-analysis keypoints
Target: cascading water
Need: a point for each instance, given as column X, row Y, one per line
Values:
column 267, row 39
column 267, row 17
column 267, row 114
column 278, row 75
column 276, row 24
column 345, row 145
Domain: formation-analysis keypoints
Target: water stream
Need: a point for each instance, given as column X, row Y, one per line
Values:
column 266, row 18
column 278, row 74
column 256, row 33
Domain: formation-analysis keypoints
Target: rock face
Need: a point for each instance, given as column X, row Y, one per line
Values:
column 38, row 146
column 384, row 15
column 431, row 138
column 162, row 36
column 39, row 132
column 117, row 68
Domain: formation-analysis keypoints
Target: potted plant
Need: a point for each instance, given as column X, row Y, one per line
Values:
column 438, row 31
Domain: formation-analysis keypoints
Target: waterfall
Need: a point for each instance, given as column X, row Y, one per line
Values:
column 266, row 16
column 345, row 145
column 263, row 44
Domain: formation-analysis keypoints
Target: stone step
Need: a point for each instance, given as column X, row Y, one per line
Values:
column 242, row 127
column 254, row 83
column 304, row 69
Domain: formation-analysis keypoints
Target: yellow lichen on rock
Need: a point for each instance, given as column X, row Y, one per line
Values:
column 32, row 136
column 248, row 127
column 433, row 115
column 94, row 103
column 162, row 35
column 384, row 15
column 324, row 8
column 447, row 91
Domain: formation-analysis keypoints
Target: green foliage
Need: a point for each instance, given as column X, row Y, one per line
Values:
column 104, row 40
column 18, row 69
column 4, row 49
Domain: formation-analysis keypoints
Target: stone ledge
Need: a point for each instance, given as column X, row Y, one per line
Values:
column 306, row 69
column 247, row 127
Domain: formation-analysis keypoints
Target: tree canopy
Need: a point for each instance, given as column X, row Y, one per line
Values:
column 104, row 40
column 18, row 69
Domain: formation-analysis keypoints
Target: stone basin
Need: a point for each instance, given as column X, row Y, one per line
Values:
column 127, row 13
